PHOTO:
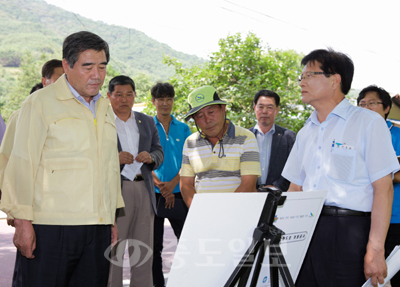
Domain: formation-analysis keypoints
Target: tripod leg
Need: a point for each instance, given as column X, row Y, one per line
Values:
column 246, row 263
column 245, row 277
column 273, row 269
column 280, row 261
column 258, row 265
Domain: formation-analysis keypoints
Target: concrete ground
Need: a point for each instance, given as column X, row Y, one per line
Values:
column 7, row 252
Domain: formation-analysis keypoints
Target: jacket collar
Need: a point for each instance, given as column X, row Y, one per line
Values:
column 61, row 85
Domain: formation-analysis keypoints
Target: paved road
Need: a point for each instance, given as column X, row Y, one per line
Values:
column 7, row 252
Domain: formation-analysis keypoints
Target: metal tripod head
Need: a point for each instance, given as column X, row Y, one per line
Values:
column 274, row 199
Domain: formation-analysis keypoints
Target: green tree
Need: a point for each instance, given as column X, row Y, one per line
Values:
column 111, row 73
column 143, row 84
column 238, row 70
column 29, row 76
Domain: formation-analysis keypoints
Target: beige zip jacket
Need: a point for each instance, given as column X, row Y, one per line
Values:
column 64, row 166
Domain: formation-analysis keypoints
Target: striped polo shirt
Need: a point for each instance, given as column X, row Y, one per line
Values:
column 219, row 168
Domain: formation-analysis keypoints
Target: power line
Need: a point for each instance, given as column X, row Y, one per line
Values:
column 282, row 21
column 268, row 16
column 242, row 14
column 80, row 21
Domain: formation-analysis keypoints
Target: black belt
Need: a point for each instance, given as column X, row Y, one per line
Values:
column 337, row 211
column 139, row 177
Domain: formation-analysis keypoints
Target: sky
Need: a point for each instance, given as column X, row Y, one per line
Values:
column 367, row 31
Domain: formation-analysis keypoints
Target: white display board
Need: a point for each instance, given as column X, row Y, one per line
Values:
column 219, row 229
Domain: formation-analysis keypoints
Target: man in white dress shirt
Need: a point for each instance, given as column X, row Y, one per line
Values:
column 140, row 153
column 347, row 151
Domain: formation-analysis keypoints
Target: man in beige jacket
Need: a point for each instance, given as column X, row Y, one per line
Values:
column 61, row 183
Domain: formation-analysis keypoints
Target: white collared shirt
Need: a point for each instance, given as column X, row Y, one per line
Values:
column 128, row 134
column 344, row 155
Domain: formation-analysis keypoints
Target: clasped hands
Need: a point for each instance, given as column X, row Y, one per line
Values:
column 127, row 158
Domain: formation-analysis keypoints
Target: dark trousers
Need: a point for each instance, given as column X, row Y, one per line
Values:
column 177, row 226
column 336, row 253
column 65, row 256
column 393, row 239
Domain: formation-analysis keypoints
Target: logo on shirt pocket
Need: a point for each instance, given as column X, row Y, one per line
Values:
column 342, row 164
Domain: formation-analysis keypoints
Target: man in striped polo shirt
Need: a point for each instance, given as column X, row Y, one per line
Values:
column 220, row 157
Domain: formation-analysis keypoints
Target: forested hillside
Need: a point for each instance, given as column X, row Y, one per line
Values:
column 39, row 27
column 32, row 32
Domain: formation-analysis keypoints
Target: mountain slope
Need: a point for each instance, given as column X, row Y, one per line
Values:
column 41, row 27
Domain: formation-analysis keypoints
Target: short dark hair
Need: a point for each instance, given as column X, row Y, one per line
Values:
column 383, row 95
column 75, row 44
column 36, row 87
column 267, row 93
column 162, row 90
column 120, row 80
column 49, row 66
column 333, row 62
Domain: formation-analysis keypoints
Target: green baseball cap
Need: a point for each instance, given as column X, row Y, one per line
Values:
column 202, row 97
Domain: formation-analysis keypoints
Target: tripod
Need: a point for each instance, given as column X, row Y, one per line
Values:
column 264, row 232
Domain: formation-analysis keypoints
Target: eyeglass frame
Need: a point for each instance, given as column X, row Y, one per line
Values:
column 370, row 104
column 301, row 77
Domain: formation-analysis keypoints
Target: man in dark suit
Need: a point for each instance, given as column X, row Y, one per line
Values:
column 274, row 142
column 140, row 153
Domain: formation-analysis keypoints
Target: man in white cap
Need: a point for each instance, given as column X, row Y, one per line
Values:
column 220, row 157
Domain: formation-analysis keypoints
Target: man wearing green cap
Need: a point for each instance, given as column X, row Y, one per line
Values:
column 220, row 157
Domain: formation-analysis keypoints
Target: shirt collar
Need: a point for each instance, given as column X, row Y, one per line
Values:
column 271, row 131
column 389, row 124
column 77, row 95
column 340, row 110
column 174, row 120
column 132, row 116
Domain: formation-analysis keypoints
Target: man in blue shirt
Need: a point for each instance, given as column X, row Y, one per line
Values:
column 166, row 178
column 378, row 100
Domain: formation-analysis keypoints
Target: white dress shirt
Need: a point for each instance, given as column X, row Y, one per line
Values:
column 128, row 134
column 344, row 155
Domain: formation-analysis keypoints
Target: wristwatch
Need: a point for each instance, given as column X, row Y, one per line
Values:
column 152, row 158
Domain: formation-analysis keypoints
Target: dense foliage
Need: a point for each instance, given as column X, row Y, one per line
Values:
column 238, row 70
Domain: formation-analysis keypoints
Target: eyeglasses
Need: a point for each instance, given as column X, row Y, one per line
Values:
column 369, row 105
column 308, row 75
